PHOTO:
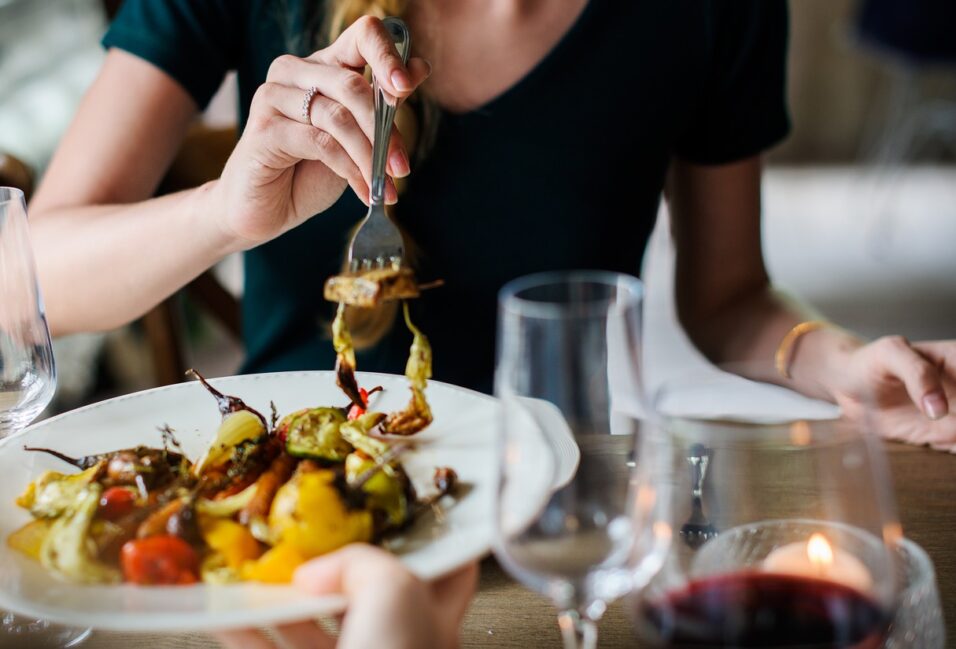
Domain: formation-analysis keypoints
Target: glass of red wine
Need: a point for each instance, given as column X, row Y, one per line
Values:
column 785, row 525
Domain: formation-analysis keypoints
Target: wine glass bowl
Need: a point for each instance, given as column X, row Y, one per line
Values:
column 27, row 370
column 805, row 526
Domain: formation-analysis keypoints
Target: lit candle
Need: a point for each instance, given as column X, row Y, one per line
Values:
column 817, row 558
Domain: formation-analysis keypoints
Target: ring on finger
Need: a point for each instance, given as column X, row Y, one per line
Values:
column 307, row 103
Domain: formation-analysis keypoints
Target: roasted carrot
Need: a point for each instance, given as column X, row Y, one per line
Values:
column 155, row 524
column 268, row 483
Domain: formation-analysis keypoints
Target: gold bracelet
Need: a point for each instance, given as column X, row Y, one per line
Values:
column 784, row 352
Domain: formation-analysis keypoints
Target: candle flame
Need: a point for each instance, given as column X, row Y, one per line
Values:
column 819, row 551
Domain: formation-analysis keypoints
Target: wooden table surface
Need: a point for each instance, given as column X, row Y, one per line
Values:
column 504, row 614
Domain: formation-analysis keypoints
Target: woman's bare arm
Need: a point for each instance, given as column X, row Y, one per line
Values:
column 731, row 312
column 724, row 297
column 105, row 253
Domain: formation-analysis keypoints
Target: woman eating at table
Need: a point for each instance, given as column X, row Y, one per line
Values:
column 536, row 136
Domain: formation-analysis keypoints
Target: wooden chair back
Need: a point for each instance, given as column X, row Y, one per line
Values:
column 200, row 159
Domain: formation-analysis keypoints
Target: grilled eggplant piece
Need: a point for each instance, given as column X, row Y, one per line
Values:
column 184, row 523
column 128, row 467
column 242, row 431
column 227, row 404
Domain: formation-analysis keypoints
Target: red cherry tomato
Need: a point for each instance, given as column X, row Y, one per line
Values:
column 116, row 502
column 163, row 560
column 355, row 412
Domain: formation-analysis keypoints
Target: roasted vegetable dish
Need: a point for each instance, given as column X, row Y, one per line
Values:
column 266, row 495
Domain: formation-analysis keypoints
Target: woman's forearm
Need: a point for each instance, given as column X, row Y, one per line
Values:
column 728, row 308
column 748, row 333
column 102, row 266
column 723, row 293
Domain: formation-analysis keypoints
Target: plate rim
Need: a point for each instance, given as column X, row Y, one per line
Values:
column 228, row 378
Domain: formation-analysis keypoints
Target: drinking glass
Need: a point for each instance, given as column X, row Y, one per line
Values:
column 572, row 521
column 919, row 616
column 27, row 379
column 27, row 372
column 786, row 529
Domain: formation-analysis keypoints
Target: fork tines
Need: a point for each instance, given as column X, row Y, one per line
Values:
column 380, row 262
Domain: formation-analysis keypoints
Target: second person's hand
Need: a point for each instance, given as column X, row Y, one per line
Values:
column 287, row 166
column 388, row 607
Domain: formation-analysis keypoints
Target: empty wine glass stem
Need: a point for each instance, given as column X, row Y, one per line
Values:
column 578, row 632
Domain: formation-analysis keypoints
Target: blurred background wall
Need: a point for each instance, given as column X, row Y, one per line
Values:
column 844, row 85
column 860, row 200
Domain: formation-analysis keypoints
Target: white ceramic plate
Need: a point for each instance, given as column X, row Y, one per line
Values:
column 462, row 437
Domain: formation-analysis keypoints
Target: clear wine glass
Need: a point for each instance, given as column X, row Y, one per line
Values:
column 572, row 521
column 27, row 379
column 919, row 616
column 785, row 528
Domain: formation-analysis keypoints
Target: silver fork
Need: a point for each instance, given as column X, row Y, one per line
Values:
column 698, row 530
column 378, row 243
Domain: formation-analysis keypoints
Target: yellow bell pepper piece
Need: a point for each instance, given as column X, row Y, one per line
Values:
column 307, row 519
column 275, row 566
column 309, row 515
column 29, row 495
column 230, row 539
column 29, row 538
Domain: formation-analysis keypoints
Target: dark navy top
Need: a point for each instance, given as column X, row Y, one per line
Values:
column 563, row 170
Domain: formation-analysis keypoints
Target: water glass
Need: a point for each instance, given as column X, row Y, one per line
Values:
column 27, row 379
column 27, row 371
column 572, row 521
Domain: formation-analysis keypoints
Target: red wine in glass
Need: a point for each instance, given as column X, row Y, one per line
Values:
column 755, row 609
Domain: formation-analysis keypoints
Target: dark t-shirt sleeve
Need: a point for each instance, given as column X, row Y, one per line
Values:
column 742, row 108
column 193, row 41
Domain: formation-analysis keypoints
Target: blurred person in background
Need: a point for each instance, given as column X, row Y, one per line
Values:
column 536, row 136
